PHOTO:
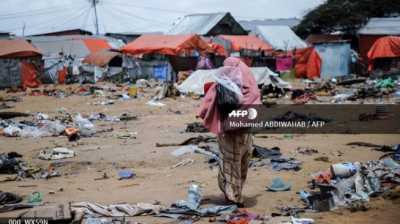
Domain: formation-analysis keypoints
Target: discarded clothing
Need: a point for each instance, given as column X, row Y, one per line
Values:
column 196, row 127
column 281, row 163
column 56, row 154
column 87, row 209
column 265, row 153
column 189, row 141
column 192, row 206
column 9, row 198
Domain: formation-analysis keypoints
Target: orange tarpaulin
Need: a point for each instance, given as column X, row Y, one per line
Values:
column 385, row 47
column 95, row 45
column 166, row 44
column 17, row 48
column 100, row 58
column 242, row 42
column 29, row 76
column 308, row 63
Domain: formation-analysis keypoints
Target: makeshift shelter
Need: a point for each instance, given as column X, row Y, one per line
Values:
column 109, row 61
column 308, row 63
column 167, row 45
column 4, row 35
column 387, row 51
column 250, row 43
column 250, row 49
column 195, row 82
column 180, row 51
column 20, row 64
column 375, row 29
column 207, row 24
column 336, row 58
column 64, row 54
column 280, row 37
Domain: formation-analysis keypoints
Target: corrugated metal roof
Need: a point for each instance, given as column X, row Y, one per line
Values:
column 280, row 37
column 73, row 45
column 199, row 24
column 381, row 26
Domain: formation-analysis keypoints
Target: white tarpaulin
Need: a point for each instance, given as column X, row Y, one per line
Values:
column 195, row 82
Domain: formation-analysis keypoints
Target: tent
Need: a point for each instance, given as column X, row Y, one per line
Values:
column 166, row 45
column 308, row 63
column 207, row 24
column 241, row 42
column 280, row 37
column 20, row 64
column 102, row 58
column 385, row 47
column 195, row 82
column 17, row 49
column 61, row 52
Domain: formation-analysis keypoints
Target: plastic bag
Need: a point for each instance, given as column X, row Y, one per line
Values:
column 227, row 100
column 12, row 131
column 86, row 128
column 230, row 79
column 33, row 132
column 55, row 128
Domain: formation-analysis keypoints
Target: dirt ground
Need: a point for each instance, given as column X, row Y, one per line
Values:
column 156, row 181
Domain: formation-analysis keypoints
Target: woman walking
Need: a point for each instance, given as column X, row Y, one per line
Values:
column 235, row 87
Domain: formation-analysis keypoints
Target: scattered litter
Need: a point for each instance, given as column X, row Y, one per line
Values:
column 323, row 159
column 56, row 154
column 184, row 150
column 190, row 141
column 265, row 153
column 35, row 198
column 281, row 163
column 126, row 174
column 9, row 198
column 87, row 209
column 155, row 103
column 196, row 127
column 278, row 184
column 86, row 128
column 183, row 163
column 192, row 206
column 306, row 150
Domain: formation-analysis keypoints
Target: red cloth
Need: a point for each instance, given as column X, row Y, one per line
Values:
column 308, row 63
column 62, row 75
column 385, row 47
column 251, row 94
column 29, row 76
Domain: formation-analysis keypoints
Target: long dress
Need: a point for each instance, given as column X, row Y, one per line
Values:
column 235, row 149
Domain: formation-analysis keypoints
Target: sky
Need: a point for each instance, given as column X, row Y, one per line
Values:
column 39, row 16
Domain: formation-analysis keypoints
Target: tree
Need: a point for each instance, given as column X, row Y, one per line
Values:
column 345, row 15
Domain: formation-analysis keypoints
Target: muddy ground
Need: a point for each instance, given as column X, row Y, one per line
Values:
column 156, row 181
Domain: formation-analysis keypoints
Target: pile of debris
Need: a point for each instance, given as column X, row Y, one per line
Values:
column 351, row 185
